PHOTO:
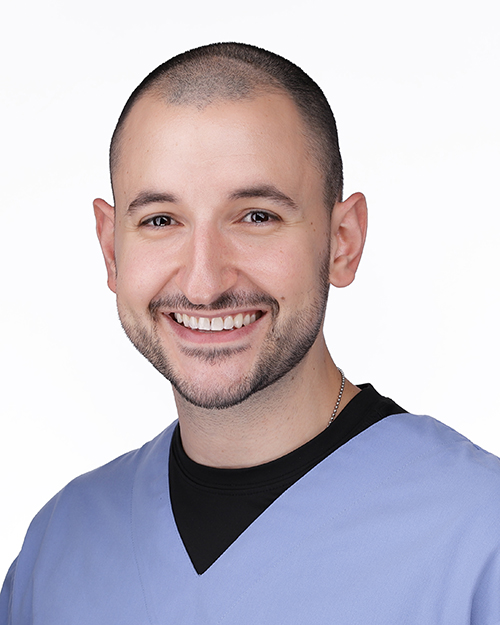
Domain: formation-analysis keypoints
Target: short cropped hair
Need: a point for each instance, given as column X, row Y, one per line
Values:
column 235, row 71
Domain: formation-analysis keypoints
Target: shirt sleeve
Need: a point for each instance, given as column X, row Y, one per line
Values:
column 6, row 596
column 486, row 601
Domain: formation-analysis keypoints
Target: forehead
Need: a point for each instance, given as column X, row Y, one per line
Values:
column 259, row 140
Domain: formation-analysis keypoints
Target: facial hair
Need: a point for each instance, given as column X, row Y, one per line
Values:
column 285, row 345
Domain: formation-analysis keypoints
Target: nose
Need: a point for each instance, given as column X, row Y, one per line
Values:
column 207, row 269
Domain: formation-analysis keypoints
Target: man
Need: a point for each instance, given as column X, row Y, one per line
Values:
column 284, row 494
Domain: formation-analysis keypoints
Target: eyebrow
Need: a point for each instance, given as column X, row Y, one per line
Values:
column 267, row 192
column 149, row 197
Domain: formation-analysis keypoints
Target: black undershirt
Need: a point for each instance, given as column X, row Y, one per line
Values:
column 212, row 506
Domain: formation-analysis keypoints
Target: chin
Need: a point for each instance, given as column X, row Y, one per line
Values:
column 213, row 398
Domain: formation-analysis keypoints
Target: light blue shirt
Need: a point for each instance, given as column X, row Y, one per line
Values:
column 400, row 526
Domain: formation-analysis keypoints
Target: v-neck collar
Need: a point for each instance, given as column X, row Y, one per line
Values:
column 164, row 565
column 213, row 506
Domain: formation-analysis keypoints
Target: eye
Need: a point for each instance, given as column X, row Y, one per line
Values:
column 259, row 217
column 159, row 221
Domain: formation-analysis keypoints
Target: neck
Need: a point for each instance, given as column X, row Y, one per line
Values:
column 270, row 423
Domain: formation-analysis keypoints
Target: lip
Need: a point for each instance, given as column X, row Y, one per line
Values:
column 211, row 337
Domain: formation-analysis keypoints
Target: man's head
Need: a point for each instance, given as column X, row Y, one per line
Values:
column 219, row 247
column 235, row 71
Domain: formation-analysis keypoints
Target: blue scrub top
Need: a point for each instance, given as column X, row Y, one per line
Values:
column 401, row 525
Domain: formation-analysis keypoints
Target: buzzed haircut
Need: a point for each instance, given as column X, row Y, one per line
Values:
column 237, row 71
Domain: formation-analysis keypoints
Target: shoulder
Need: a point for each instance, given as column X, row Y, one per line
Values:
column 422, row 434
column 85, row 529
column 120, row 472
column 437, row 460
column 97, row 500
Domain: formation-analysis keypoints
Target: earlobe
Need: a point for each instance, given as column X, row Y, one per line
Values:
column 105, row 226
column 349, row 223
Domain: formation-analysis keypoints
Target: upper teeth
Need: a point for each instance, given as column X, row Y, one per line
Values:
column 217, row 323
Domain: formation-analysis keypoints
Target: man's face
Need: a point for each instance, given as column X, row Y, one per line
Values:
column 221, row 244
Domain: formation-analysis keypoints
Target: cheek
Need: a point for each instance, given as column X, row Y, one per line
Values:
column 141, row 274
column 289, row 272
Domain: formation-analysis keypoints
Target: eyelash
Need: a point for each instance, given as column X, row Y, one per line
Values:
column 150, row 221
column 268, row 217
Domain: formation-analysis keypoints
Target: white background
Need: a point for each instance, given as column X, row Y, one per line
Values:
column 415, row 89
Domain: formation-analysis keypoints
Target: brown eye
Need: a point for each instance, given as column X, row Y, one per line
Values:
column 259, row 216
column 160, row 220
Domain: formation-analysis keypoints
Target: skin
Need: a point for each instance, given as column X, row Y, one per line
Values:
column 201, row 239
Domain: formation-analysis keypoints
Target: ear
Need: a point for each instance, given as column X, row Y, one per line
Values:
column 348, row 232
column 105, row 226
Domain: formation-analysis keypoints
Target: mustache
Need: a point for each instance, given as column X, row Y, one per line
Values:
column 230, row 299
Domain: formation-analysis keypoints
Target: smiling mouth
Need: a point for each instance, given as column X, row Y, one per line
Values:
column 216, row 324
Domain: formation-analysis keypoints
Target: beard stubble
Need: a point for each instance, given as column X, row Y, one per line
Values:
column 285, row 345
